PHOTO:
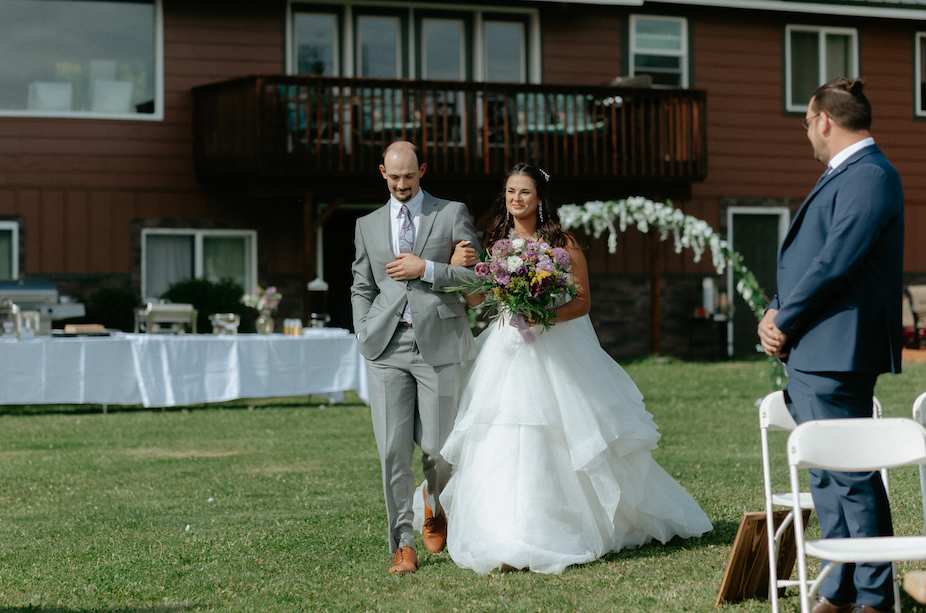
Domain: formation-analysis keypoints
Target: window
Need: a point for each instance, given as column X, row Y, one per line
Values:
column 919, row 64
column 64, row 58
column 316, row 40
column 814, row 56
column 379, row 46
column 443, row 49
column 375, row 39
column 169, row 256
column 9, row 250
column 659, row 48
column 505, row 51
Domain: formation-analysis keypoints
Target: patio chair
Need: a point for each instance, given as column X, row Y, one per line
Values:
column 853, row 445
column 774, row 417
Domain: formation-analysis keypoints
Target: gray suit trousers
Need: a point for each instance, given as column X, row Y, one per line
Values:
column 410, row 402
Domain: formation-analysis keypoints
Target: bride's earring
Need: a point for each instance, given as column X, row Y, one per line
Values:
column 507, row 216
column 540, row 208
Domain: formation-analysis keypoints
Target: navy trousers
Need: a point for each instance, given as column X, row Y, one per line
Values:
column 847, row 504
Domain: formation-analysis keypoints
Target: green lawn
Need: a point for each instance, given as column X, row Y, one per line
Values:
column 276, row 505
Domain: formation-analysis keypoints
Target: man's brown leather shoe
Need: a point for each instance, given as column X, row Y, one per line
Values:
column 822, row 605
column 434, row 531
column 404, row 561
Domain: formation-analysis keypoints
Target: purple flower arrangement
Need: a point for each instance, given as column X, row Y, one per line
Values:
column 523, row 277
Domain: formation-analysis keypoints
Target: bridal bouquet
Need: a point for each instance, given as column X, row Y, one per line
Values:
column 523, row 277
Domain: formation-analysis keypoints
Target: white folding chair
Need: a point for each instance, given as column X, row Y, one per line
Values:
column 919, row 415
column 853, row 445
column 774, row 417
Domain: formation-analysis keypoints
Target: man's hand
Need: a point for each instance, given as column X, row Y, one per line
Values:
column 407, row 266
column 772, row 339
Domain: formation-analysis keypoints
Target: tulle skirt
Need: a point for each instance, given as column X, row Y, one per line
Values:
column 551, row 455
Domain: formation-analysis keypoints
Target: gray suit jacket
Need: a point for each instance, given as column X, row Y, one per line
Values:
column 439, row 319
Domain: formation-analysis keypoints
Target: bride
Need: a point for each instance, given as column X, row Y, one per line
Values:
column 551, row 445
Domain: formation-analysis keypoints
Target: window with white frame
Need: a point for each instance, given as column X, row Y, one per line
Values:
column 9, row 250
column 659, row 48
column 67, row 58
column 920, row 80
column 420, row 41
column 172, row 255
column 816, row 55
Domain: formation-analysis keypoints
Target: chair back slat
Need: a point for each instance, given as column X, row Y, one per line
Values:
column 857, row 444
column 774, row 415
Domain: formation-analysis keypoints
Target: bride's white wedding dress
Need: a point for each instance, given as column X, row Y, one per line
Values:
column 551, row 456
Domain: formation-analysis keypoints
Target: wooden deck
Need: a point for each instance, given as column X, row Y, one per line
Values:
column 304, row 127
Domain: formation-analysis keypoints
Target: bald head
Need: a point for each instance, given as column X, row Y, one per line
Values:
column 402, row 169
column 401, row 148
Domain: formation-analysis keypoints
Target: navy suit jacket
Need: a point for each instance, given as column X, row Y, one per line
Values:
column 840, row 271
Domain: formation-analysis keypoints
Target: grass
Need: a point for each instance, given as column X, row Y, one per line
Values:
column 276, row 505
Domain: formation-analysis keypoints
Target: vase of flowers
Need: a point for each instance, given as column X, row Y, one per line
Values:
column 265, row 301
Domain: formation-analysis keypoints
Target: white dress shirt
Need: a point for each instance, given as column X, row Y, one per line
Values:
column 395, row 216
column 846, row 153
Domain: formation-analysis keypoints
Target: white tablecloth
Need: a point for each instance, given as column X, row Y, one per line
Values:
column 171, row 370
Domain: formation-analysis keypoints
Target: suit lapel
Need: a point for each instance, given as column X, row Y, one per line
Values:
column 795, row 224
column 425, row 222
column 382, row 230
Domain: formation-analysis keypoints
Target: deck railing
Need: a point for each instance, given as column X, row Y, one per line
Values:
column 315, row 126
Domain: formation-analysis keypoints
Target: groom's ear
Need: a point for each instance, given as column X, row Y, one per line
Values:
column 422, row 169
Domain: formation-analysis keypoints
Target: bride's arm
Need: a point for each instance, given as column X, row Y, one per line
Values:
column 580, row 305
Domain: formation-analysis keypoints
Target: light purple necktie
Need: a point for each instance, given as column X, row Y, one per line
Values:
column 406, row 244
column 406, row 232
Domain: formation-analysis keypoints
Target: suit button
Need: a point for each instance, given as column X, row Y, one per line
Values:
column 408, row 288
column 398, row 313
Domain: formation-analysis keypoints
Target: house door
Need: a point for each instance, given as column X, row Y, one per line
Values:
column 755, row 233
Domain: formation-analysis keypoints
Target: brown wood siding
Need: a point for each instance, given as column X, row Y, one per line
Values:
column 78, row 183
column 755, row 149
column 581, row 45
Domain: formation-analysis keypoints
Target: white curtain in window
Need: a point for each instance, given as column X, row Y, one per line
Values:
column 225, row 257
column 168, row 259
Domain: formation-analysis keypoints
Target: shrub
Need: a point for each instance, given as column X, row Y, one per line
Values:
column 114, row 307
column 209, row 297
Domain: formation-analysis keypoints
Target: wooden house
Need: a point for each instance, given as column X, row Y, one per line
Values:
column 149, row 141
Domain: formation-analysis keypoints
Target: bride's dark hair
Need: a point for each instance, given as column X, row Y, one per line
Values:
column 550, row 230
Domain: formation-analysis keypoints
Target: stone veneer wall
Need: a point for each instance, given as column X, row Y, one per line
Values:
column 621, row 315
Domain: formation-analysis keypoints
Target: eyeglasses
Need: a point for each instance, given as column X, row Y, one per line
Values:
column 806, row 121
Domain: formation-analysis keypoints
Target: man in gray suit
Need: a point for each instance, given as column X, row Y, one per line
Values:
column 414, row 335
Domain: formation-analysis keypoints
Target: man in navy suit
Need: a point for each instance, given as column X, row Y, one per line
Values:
column 836, row 320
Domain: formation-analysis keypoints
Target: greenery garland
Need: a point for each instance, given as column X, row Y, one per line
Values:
column 687, row 232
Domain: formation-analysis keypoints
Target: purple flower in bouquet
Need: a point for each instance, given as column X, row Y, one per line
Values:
column 545, row 263
column 523, row 278
column 502, row 246
column 563, row 260
column 540, row 285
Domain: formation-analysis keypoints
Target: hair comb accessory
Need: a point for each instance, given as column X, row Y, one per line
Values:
column 545, row 174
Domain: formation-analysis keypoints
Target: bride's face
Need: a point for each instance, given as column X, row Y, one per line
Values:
column 521, row 197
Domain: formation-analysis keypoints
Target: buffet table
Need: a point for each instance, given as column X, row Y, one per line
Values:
column 171, row 370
